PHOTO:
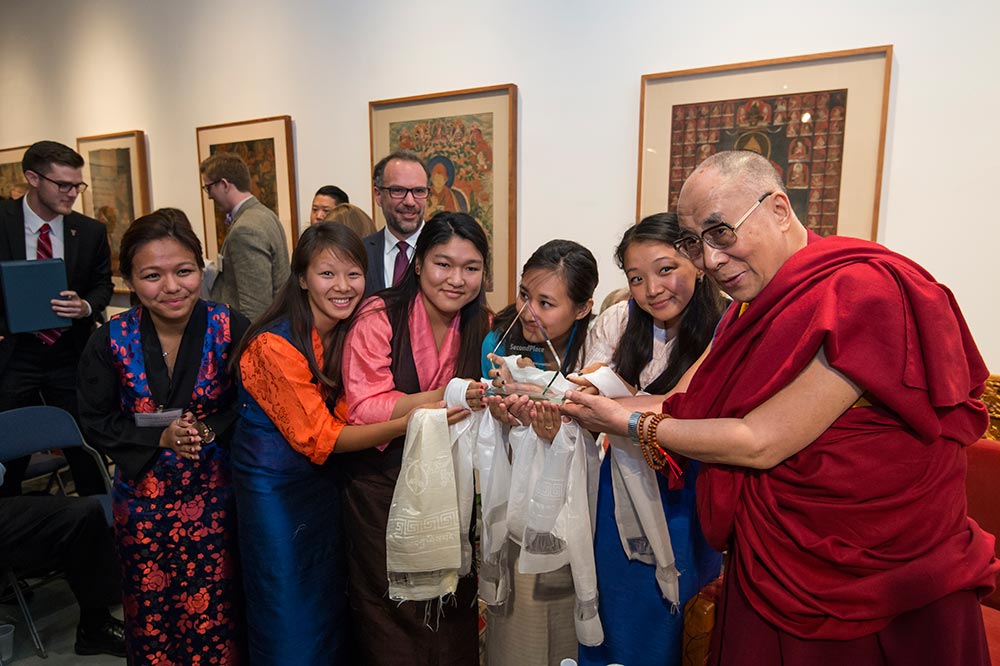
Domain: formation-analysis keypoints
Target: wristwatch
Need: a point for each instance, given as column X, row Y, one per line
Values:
column 633, row 425
column 205, row 431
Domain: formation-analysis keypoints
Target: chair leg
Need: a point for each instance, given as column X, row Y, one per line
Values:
column 23, row 603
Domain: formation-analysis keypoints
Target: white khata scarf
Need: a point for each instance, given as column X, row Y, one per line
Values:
column 427, row 537
column 642, row 524
column 549, row 508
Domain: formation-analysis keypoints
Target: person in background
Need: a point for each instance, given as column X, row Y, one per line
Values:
column 399, row 181
column 41, row 367
column 157, row 396
column 72, row 534
column 253, row 260
column 353, row 218
column 324, row 201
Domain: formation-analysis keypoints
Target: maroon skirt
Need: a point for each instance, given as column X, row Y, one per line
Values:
column 948, row 632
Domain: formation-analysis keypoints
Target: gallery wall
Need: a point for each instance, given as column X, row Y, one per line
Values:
column 70, row 69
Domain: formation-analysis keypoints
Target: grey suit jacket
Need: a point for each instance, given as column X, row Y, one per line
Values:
column 254, row 260
column 88, row 267
column 375, row 247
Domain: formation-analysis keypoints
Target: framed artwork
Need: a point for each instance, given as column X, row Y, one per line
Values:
column 820, row 119
column 12, row 181
column 265, row 145
column 468, row 139
column 115, row 167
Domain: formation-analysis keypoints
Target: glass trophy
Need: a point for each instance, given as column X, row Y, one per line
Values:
column 525, row 369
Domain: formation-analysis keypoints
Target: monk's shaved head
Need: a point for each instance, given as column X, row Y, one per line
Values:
column 728, row 189
column 745, row 169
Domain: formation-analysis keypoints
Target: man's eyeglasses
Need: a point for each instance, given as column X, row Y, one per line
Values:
column 719, row 236
column 208, row 186
column 397, row 192
column 63, row 186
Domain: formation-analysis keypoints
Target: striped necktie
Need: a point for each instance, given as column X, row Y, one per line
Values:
column 44, row 251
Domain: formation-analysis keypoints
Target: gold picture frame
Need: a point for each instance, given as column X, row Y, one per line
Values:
column 265, row 144
column 835, row 174
column 117, row 171
column 469, row 137
column 11, row 175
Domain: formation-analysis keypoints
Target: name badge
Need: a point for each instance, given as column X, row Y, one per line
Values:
column 158, row 419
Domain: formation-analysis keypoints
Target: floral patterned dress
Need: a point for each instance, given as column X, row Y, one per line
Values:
column 174, row 518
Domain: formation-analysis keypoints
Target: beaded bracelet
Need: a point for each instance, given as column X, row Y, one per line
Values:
column 641, row 429
column 654, row 454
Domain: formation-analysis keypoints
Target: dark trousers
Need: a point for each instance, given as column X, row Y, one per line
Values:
column 37, row 372
column 69, row 533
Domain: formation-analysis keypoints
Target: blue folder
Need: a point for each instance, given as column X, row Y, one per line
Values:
column 28, row 288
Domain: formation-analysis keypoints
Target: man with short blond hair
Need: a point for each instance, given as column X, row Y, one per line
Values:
column 253, row 260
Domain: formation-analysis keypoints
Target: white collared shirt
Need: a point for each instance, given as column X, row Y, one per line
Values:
column 33, row 224
column 390, row 251
column 236, row 208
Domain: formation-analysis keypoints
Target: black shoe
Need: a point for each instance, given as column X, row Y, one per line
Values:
column 107, row 638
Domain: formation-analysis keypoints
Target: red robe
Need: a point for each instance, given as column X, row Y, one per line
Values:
column 868, row 521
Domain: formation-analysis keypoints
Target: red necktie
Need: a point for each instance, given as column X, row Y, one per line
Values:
column 402, row 263
column 44, row 251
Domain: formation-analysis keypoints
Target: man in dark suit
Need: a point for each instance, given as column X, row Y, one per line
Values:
column 42, row 366
column 400, row 181
column 70, row 533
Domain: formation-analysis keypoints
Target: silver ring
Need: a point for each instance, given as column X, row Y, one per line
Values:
column 178, row 442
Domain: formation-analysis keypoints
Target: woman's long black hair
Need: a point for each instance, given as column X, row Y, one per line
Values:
column 292, row 302
column 475, row 316
column 698, row 320
column 576, row 265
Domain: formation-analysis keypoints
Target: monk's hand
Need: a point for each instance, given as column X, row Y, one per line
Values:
column 584, row 384
column 70, row 305
column 596, row 413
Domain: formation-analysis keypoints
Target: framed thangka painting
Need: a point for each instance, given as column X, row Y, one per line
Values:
column 13, row 184
column 265, row 145
column 820, row 120
column 468, row 140
column 115, row 167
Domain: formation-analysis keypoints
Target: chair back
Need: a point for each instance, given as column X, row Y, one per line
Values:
column 983, row 493
column 28, row 430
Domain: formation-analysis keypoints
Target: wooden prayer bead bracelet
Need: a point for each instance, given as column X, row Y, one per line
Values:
column 654, row 454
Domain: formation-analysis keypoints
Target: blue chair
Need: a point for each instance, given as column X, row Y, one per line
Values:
column 29, row 430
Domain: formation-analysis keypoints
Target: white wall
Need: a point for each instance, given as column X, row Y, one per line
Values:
column 70, row 69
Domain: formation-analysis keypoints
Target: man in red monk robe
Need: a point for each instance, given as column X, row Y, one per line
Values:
column 834, row 410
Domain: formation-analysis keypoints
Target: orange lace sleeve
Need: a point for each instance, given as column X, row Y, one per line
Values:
column 278, row 378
